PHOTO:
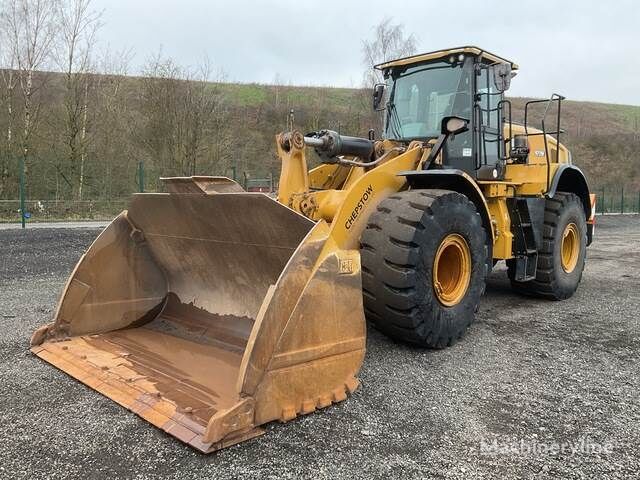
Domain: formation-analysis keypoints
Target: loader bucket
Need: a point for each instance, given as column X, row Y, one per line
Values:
column 209, row 315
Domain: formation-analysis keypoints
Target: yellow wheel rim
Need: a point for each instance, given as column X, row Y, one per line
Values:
column 452, row 270
column 570, row 247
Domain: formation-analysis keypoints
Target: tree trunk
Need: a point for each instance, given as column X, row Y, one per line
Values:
column 27, row 126
column 83, row 137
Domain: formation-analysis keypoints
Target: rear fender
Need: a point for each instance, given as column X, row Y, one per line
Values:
column 569, row 178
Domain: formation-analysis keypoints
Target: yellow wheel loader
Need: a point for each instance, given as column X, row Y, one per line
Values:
column 210, row 311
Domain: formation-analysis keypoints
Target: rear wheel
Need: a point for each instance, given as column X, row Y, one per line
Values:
column 424, row 263
column 562, row 255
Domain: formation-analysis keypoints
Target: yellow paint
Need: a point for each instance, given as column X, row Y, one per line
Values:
column 346, row 196
column 294, row 175
column 365, row 194
column 501, row 221
column 328, row 202
column 327, row 176
column 570, row 248
column 532, row 176
column 480, row 194
column 424, row 57
column 497, row 189
column 452, row 270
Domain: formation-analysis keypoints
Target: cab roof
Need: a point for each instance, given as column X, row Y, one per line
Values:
column 423, row 57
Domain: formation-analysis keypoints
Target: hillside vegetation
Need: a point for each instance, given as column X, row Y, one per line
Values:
column 178, row 127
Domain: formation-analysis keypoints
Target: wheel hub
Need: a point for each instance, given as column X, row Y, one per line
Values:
column 452, row 270
column 570, row 247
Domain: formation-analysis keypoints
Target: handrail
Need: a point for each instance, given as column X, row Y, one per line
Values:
column 554, row 97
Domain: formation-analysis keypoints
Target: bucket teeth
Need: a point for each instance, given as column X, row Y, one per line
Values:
column 324, row 401
column 308, row 406
column 352, row 384
column 288, row 413
column 339, row 395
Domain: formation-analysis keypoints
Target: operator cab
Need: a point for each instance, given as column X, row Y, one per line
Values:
column 465, row 82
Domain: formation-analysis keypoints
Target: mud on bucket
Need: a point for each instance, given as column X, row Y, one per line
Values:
column 209, row 315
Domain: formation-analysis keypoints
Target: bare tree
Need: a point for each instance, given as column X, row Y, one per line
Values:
column 78, row 27
column 317, row 108
column 9, row 83
column 159, row 96
column 29, row 26
column 113, row 123
column 200, row 103
column 183, row 114
column 389, row 42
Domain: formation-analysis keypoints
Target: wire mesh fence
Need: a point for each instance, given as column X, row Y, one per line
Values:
column 27, row 210
column 609, row 201
column 58, row 210
column 617, row 200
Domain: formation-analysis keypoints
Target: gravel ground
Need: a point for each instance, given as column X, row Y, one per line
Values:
column 530, row 381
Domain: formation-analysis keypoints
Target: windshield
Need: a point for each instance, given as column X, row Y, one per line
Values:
column 422, row 95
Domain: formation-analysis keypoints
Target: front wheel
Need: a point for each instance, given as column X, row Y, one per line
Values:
column 424, row 263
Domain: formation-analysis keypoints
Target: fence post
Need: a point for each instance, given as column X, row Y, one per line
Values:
column 621, row 200
column 602, row 203
column 638, row 201
column 22, row 193
column 141, row 176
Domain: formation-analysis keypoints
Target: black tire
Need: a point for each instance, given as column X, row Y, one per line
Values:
column 398, row 248
column 552, row 281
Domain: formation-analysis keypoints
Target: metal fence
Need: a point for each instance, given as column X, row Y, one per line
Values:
column 617, row 200
column 609, row 201
column 25, row 210
column 55, row 210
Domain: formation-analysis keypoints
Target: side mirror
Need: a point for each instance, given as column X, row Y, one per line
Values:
column 378, row 93
column 502, row 76
column 454, row 125
column 449, row 127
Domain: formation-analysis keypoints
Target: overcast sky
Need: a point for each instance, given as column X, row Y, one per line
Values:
column 583, row 49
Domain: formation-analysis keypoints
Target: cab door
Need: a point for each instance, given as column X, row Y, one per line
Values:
column 459, row 150
column 488, row 128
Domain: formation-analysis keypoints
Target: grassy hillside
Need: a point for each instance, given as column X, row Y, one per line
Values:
column 181, row 128
column 604, row 138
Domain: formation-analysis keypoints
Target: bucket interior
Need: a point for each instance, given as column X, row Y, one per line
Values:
column 211, row 260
